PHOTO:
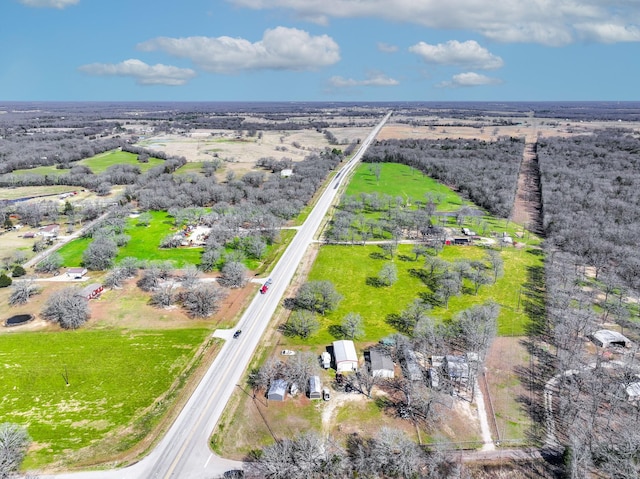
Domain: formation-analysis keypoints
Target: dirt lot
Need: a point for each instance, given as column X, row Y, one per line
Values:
column 506, row 390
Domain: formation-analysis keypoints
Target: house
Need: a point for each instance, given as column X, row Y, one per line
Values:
column 315, row 387
column 606, row 338
column 457, row 368
column 278, row 390
column 286, row 173
column 92, row 291
column 49, row 231
column 381, row 364
column 76, row 273
column 344, row 352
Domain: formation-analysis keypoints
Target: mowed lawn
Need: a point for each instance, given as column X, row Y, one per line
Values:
column 113, row 377
column 349, row 267
column 404, row 181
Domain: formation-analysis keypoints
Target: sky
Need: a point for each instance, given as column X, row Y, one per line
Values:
column 327, row 50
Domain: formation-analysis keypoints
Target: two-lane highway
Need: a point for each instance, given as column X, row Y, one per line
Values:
column 184, row 451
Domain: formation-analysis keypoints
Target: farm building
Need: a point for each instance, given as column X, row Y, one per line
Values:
column 278, row 390
column 346, row 357
column 76, row 273
column 457, row 368
column 92, row 291
column 49, row 231
column 381, row 364
column 606, row 338
column 315, row 387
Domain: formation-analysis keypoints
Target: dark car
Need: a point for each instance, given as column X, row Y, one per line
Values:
column 237, row 333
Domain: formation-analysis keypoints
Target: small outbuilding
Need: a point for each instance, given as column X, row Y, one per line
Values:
column 344, row 352
column 315, row 387
column 381, row 364
column 277, row 390
column 76, row 273
column 606, row 338
column 92, row 291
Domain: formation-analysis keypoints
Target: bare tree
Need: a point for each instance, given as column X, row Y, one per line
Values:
column 302, row 323
column 203, row 300
column 352, row 326
column 164, row 296
column 388, row 275
column 22, row 290
column 150, row 279
column 318, row 296
column 67, row 308
column 100, row 253
column 190, row 275
column 234, row 275
column 14, row 442
column 50, row 264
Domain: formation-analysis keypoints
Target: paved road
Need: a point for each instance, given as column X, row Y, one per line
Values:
column 184, row 451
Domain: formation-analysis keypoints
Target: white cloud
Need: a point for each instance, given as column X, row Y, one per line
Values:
column 281, row 48
column 144, row 74
column 49, row 3
column 548, row 22
column 373, row 79
column 469, row 79
column 609, row 33
column 467, row 54
column 386, row 48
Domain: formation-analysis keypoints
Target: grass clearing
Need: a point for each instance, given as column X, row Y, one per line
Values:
column 34, row 191
column 101, row 162
column 114, row 377
column 349, row 267
column 404, row 181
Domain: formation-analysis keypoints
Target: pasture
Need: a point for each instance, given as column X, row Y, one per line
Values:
column 74, row 389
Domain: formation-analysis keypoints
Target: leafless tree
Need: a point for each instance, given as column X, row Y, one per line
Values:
column 67, row 308
column 234, row 275
column 163, row 296
column 22, row 290
column 352, row 326
column 190, row 275
column 203, row 300
column 50, row 264
column 14, row 441
column 302, row 323
column 388, row 275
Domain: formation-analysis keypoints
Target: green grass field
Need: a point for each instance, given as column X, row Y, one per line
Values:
column 404, row 181
column 40, row 170
column 99, row 163
column 348, row 267
column 113, row 377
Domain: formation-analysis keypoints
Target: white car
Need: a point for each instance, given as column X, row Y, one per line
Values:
column 287, row 352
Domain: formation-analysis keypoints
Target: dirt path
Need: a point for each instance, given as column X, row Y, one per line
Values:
column 527, row 207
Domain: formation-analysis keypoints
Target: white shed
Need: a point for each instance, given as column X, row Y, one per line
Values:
column 278, row 390
column 606, row 338
column 346, row 357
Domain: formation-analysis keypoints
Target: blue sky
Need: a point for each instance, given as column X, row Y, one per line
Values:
column 329, row 50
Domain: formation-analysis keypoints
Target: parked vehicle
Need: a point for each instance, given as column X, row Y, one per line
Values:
column 325, row 357
column 287, row 352
column 326, row 395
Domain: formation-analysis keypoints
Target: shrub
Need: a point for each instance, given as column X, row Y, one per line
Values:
column 5, row 281
column 18, row 271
